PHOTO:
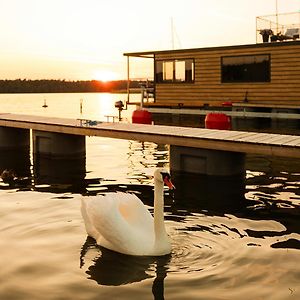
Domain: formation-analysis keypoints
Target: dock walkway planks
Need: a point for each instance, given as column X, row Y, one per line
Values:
column 236, row 141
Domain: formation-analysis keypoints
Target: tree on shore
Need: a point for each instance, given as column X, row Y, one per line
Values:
column 63, row 86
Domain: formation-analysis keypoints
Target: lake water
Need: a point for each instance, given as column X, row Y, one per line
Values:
column 227, row 242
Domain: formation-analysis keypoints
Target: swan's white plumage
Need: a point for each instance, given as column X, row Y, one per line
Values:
column 121, row 222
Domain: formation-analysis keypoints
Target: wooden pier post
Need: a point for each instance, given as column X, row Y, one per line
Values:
column 206, row 161
column 14, row 138
column 58, row 157
column 15, row 150
column 209, row 178
column 58, row 145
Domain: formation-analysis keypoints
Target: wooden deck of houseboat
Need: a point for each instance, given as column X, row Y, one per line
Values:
column 235, row 141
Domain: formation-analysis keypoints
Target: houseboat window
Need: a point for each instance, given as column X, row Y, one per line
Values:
column 173, row 71
column 246, row 68
column 180, row 71
column 168, row 70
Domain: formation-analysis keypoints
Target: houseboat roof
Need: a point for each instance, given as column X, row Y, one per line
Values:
column 150, row 54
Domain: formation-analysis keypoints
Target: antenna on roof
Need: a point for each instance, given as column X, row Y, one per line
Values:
column 277, row 17
column 174, row 35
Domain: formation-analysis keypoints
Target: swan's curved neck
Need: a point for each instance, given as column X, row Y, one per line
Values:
column 159, row 226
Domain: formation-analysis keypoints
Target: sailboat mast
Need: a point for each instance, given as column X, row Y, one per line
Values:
column 277, row 29
column 172, row 34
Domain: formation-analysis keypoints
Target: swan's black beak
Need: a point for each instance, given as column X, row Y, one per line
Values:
column 168, row 182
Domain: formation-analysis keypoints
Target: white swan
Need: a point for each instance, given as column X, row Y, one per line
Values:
column 122, row 223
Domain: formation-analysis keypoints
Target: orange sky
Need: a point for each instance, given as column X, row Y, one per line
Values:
column 86, row 39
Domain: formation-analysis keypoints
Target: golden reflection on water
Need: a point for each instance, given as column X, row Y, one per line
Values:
column 220, row 251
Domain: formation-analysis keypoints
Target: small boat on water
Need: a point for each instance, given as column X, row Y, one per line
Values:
column 45, row 103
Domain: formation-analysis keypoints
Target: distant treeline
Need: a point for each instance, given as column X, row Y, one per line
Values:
column 63, row 86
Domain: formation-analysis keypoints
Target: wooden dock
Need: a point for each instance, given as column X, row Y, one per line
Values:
column 234, row 141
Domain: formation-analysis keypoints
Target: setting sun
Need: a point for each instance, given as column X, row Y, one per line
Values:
column 104, row 75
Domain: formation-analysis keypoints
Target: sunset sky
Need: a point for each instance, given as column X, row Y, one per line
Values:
column 86, row 39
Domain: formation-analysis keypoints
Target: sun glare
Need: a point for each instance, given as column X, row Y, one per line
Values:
column 104, row 75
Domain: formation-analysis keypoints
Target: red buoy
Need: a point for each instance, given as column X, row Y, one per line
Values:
column 141, row 116
column 217, row 121
column 227, row 103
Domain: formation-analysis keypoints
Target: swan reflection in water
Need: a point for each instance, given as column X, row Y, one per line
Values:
column 114, row 269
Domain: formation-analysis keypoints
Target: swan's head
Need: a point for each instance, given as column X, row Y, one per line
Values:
column 163, row 176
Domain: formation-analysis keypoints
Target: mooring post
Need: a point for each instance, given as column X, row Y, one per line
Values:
column 206, row 161
column 14, row 138
column 58, row 157
column 217, row 178
column 15, row 150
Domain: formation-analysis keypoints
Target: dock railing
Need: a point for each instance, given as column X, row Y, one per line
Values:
column 145, row 89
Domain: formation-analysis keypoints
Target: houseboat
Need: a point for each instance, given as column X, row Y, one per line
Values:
column 262, row 75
